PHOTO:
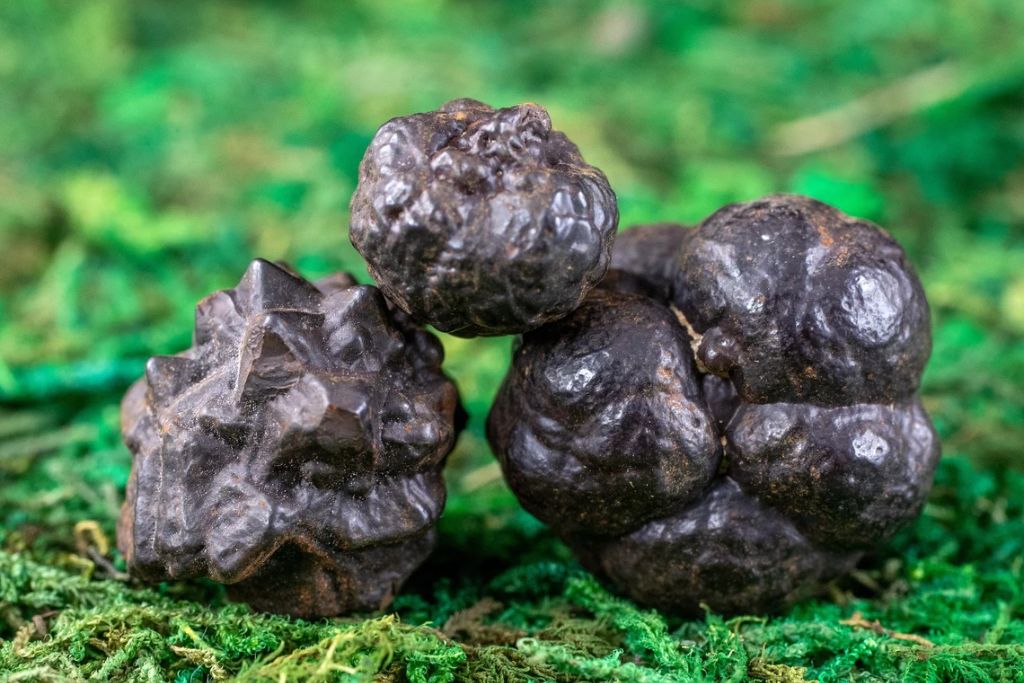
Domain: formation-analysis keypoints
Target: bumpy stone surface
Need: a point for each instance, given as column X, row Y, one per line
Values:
column 795, row 301
column 294, row 452
column 482, row 221
column 600, row 424
column 815, row 331
column 728, row 551
column 848, row 477
column 649, row 252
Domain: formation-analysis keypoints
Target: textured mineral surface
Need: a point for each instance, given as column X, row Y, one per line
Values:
column 742, row 439
column 294, row 452
column 847, row 476
column 482, row 221
column 600, row 423
column 795, row 301
column 729, row 551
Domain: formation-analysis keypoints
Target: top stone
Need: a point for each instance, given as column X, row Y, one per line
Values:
column 482, row 221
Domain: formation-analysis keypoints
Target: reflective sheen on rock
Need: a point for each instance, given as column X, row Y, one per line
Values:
column 804, row 334
column 600, row 424
column 796, row 301
column 849, row 477
column 482, row 221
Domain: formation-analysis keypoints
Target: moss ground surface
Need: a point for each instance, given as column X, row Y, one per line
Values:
column 148, row 150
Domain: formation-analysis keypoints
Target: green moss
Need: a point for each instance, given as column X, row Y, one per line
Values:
column 917, row 618
column 149, row 152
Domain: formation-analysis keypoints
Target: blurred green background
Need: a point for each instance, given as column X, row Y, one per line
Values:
column 149, row 150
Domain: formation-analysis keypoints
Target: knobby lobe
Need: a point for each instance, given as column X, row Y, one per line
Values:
column 294, row 452
column 481, row 221
column 793, row 475
column 795, row 301
column 600, row 423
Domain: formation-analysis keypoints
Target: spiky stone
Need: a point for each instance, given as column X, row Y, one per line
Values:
column 294, row 452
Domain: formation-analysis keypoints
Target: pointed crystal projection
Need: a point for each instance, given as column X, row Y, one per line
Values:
column 274, row 287
column 294, row 452
column 169, row 376
column 271, row 357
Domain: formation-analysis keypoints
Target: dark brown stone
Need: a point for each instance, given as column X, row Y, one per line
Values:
column 849, row 477
column 600, row 423
column 294, row 452
column 482, row 221
column 796, row 301
column 727, row 551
